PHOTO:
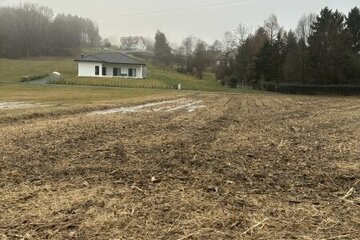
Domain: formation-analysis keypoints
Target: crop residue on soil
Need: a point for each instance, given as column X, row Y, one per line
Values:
column 246, row 167
column 164, row 106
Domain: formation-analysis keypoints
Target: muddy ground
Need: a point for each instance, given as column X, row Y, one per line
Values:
column 244, row 167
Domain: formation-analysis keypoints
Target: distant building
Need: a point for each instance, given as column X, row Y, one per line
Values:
column 114, row 64
column 225, row 59
column 133, row 43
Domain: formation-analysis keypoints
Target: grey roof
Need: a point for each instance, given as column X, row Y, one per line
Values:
column 116, row 57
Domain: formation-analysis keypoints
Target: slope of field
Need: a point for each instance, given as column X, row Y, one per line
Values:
column 12, row 71
column 157, row 78
column 244, row 167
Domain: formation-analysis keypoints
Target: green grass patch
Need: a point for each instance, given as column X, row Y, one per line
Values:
column 12, row 70
column 158, row 78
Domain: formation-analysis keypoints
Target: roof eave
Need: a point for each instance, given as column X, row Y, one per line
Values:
column 79, row 60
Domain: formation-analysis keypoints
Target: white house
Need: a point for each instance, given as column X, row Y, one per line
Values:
column 133, row 43
column 115, row 64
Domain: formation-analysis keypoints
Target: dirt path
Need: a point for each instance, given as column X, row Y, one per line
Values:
column 243, row 167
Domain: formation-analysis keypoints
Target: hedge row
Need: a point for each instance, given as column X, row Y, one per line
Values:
column 346, row 90
column 99, row 84
column 32, row 78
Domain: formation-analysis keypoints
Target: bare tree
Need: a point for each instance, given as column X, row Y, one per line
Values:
column 247, row 55
column 188, row 47
column 200, row 58
column 30, row 30
column 188, row 44
column 241, row 33
column 272, row 27
column 229, row 42
column 303, row 30
column 216, row 46
column 214, row 53
column 31, row 22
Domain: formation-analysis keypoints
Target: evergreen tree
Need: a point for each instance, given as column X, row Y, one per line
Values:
column 329, row 49
column 292, row 65
column 270, row 60
column 264, row 64
column 162, row 49
column 303, row 61
column 353, row 25
column 280, row 51
column 303, row 31
column 244, row 62
column 246, row 56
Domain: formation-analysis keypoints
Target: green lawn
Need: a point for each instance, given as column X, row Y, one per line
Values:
column 12, row 71
column 157, row 78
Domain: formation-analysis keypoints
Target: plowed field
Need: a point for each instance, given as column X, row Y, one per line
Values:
column 235, row 167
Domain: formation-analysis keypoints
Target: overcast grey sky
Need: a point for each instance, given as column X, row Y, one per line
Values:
column 205, row 19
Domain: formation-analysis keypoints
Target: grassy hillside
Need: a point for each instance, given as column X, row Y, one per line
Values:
column 12, row 71
column 157, row 78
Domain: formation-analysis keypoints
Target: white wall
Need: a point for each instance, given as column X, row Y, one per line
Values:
column 87, row 69
column 124, row 69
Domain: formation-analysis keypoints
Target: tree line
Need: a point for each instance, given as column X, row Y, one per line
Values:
column 32, row 30
column 324, row 49
column 194, row 56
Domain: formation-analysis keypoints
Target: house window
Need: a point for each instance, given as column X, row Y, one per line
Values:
column 104, row 71
column 116, row 71
column 132, row 72
column 97, row 70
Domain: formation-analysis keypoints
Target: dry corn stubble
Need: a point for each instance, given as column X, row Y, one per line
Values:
column 245, row 167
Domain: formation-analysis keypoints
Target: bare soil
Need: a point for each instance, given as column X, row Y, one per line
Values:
column 244, row 167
